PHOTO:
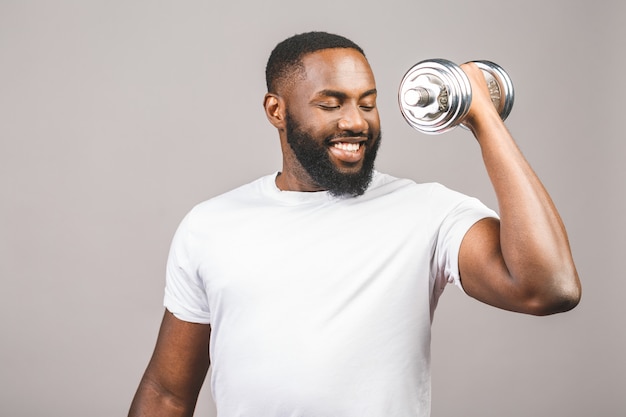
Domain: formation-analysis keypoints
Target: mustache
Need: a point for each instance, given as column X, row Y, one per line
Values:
column 348, row 134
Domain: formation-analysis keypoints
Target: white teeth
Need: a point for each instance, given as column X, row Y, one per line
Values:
column 350, row 147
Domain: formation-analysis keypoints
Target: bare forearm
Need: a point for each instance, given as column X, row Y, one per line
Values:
column 533, row 239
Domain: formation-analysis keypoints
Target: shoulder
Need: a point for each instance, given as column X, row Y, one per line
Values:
column 209, row 213
column 385, row 184
column 431, row 199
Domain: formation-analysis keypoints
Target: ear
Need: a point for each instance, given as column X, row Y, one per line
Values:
column 275, row 110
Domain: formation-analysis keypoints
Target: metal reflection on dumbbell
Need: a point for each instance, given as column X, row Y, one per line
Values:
column 435, row 95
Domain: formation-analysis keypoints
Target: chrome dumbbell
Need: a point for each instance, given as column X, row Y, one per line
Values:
column 435, row 94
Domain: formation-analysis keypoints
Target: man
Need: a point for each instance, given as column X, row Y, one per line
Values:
column 313, row 288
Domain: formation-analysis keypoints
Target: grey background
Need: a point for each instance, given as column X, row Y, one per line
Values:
column 117, row 116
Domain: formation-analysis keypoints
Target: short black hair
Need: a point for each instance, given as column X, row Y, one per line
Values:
column 286, row 58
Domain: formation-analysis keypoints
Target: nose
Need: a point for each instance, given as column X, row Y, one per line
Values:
column 352, row 119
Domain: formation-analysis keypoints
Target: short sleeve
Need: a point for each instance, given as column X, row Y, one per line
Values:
column 450, row 235
column 185, row 295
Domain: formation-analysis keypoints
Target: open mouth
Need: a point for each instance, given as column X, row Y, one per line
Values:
column 347, row 147
column 348, row 151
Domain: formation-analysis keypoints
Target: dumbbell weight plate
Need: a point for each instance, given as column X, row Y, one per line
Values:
column 500, row 87
column 434, row 95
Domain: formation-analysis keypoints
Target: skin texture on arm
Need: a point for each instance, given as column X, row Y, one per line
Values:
column 523, row 262
column 177, row 369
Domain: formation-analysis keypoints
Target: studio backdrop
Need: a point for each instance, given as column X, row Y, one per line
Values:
column 116, row 117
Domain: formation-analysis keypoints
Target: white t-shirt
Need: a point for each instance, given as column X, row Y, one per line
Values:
column 319, row 306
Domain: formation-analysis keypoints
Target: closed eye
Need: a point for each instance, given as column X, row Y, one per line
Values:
column 327, row 107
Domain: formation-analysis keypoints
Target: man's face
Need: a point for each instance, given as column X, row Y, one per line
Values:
column 314, row 157
column 332, row 122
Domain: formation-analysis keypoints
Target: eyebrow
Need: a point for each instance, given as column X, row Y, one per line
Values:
column 342, row 96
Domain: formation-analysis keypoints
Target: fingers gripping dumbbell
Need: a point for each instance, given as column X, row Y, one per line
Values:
column 435, row 95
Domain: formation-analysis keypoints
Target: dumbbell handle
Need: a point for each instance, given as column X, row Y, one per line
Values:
column 418, row 96
column 422, row 97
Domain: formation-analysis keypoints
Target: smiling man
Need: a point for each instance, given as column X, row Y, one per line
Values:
column 311, row 290
column 328, row 121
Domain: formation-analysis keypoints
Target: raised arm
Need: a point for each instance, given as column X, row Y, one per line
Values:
column 522, row 262
column 174, row 376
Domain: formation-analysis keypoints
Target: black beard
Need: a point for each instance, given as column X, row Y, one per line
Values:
column 315, row 160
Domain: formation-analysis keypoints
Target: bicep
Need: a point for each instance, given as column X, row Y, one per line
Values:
column 484, row 274
column 181, row 357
